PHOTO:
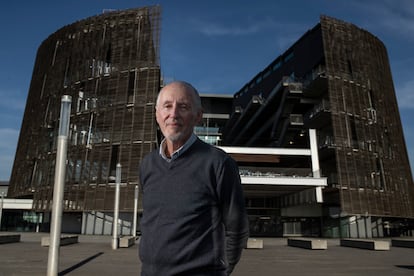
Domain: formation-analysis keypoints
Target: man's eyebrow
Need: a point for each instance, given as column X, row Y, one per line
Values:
column 179, row 102
column 166, row 102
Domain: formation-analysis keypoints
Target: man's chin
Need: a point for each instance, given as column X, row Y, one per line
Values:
column 174, row 138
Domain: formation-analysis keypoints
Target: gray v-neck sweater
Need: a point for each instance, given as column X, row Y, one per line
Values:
column 194, row 220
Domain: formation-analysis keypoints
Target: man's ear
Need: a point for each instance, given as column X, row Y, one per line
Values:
column 199, row 117
column 157, row 115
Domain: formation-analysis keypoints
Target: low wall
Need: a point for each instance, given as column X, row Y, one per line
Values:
column 308, row 243
column 366, row 244
column 9, row 238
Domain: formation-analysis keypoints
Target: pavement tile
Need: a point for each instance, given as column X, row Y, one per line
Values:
column 93, row 255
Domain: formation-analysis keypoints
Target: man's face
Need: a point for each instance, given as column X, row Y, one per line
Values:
column 176, row 114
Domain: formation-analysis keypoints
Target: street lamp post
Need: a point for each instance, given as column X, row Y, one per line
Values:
column 60, row 170
column 1, row 207
column 134, row 229
column 116, row 207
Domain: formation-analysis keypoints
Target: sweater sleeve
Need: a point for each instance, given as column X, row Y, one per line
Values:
column 233, row 212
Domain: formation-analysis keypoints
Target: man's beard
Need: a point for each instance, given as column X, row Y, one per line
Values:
column 175, row 137
column 181, row 136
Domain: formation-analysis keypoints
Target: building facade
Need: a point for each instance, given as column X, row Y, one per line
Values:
column 336, row 79
column 316, row 134
column 216, row 113
column 109, row 65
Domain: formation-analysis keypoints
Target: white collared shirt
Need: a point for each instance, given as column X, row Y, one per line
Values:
column 179, row 151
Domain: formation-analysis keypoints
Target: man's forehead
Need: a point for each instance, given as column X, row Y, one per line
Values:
column 175, row 96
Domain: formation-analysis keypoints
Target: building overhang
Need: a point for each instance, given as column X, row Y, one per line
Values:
column 280, row 186
column 17, row 204
column 273, row 184
column 306, row 182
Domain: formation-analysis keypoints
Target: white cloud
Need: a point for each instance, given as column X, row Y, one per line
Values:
column 409, row 138
column 12, row 100
column 218, row 30
column 403, row 26
column 8, row 143
column 396, row 16
column 405, row 95
column 250, row 27
column 8, row 137
column 6, row 167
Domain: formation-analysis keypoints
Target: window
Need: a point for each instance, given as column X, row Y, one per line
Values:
column 380, row 174
column 66, row 79
column 114, row 161
column 277, row 66
column 353, row 133
column 288, row 57
column 371, row 98
column 131, row 87
column 349, row 67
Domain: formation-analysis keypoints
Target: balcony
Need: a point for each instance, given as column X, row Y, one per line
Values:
column 319, row 115
column 296, row 119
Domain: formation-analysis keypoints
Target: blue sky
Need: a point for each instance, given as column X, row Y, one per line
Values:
column 216, row 45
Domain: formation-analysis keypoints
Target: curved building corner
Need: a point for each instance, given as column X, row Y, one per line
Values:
column 109, row 65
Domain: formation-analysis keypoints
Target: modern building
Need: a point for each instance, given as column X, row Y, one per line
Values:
column 336, row 79
column 216, row 113
column 316, row 134
column 109, row 65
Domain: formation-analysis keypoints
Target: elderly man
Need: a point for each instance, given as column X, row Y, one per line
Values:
column 194, row 220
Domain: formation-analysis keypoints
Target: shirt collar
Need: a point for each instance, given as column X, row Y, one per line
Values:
column 179, row 151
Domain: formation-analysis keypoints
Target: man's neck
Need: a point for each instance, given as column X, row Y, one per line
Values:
column 172, row 146
column 168, row 149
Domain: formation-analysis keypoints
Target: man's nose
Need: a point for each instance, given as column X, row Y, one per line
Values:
column 174, row 111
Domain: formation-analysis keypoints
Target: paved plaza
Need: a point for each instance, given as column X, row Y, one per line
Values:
column 93, row 255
